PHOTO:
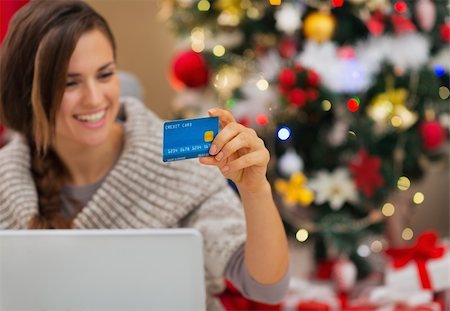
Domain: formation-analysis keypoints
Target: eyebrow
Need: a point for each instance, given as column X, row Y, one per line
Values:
column 73, row 74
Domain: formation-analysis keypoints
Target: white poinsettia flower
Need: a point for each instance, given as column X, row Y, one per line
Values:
column 288, row 18
column 336, row 188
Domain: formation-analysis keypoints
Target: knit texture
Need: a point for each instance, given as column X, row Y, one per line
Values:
column 140, row 191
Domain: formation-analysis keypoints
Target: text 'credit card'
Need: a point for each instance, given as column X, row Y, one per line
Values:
column 189, row 138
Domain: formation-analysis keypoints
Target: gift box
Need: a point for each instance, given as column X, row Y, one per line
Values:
column 425, row 265
column 309, row 296
column 383, row 298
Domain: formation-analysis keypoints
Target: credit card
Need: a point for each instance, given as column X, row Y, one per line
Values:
column 189, row 138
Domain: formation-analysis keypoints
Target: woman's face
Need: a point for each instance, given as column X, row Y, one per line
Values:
column 91, row 99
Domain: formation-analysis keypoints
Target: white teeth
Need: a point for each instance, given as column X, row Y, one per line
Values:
column 95, row 117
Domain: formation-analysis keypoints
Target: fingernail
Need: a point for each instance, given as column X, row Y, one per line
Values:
column 212, row 111
column 225, row 168
column 213, row 149
column 219, row 156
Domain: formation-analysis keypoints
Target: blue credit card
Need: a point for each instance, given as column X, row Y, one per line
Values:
column 189, row 138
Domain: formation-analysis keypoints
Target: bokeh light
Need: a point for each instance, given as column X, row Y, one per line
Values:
column 284, row 133
column 418, row 198
column 302, row 235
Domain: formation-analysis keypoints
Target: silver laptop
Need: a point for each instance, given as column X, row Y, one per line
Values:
column 99, row 270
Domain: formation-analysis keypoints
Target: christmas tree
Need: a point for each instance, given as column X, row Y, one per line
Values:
column 351, row 98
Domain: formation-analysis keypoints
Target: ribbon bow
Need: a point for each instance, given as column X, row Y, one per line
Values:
column 426, row 248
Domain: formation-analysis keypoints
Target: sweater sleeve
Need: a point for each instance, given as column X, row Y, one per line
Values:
column 220, row 219
column 238, row 274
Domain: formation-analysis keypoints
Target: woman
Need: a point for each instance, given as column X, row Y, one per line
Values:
column 82, row 158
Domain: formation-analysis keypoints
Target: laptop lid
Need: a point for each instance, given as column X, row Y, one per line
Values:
column 151, row 269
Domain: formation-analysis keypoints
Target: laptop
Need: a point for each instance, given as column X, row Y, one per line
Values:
column 99, row 270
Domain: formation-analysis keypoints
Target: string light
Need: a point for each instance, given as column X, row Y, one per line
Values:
column 262, row 119
column 230, row 103
column 418, row 198
column 219, row 50
column 284, row 133
column 396, row 121
column 302, row 235
column 388, row 209
column 400, row 7
column 439, row 70
column 376, row 246
column 337, row 3
column 275, row 2
column 262, row 84
column 198, row 39
column 353, row 104
column 203, row 5
column 444, row 92
column 326, row 105
column 363, row 251
column 407, row 234
column 403, row 183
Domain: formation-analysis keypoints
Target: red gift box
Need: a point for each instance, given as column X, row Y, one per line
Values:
column 313, row 306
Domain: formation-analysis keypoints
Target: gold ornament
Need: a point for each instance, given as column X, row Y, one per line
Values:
column 319, row 26
column 275, row 2
column 389, row 108
column 295, row 191
column 231, row 13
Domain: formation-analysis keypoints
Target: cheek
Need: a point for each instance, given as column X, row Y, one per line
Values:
column 114, row 88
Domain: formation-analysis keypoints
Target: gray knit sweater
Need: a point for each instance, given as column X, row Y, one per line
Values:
column 140, row 191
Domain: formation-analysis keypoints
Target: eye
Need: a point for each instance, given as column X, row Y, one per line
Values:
column 106, row 75
column 70, row 84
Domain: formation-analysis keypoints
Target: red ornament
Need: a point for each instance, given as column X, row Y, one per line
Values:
column 433, row 135
column 262, row 119
column 287, row 48
column 375, row 24
column 312, row 95
column 366, row 172
column 402, row 24
column 297, row 97
column 445, row 32
column 352, row 105
column 312, row 78
column 337, row 3
column 400, row 7
column 190, row 69
column 287, row 78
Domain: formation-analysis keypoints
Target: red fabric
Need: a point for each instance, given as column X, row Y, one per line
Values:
column 7, row 10
column 426, row 248
column 325, row 269
column 232, row 300
column 312, row 306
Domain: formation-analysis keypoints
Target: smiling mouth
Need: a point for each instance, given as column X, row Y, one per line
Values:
column 91, row 118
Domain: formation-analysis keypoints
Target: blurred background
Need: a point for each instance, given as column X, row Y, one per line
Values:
column 350, row 96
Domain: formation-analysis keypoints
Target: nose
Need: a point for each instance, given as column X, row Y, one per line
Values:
column 94, row 93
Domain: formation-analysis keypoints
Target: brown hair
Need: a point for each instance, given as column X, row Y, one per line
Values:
column 34, row 60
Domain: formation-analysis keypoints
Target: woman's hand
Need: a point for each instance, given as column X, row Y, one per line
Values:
column 239, row 153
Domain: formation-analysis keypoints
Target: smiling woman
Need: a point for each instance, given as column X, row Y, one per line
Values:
column 84, row 158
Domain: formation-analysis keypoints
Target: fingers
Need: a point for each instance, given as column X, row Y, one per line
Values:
column 258, row 158
column 228, row 133
column 225, row 117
